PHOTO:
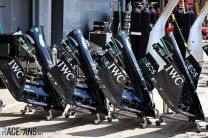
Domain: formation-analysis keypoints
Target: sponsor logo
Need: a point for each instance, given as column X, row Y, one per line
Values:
column 66, row 71
column 117, row 73
column 174, row 75
column 149, row 66
column 71, row 61
column 191, row 69
column 205, row 47
column 16, row 69
column 37, row 103
column 105, row 61
column 131, row 109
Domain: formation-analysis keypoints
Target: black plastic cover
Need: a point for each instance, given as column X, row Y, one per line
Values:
column 13, row 76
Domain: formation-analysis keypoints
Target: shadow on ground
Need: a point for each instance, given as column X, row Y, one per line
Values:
column 171, row 129
column 37, row 116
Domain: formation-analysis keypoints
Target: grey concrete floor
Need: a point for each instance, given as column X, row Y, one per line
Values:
column 83, row 125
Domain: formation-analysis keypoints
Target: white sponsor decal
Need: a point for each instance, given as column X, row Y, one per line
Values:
column 175, row 75
column 66, row 71
column 191, row 69
column 117, row 73
column 149, row 66
column 16, row 69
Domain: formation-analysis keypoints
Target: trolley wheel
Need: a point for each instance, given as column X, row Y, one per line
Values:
column 69, row 113
column 48, row 118
column 157, row 123
column 50, row 115
column 114, row 116
column 156, row 113
column 66, row 115
column 22, row 112
column 144, row 125
column 72, row 113
column 109, row 119
column 96, row 122
column 198, row 129
column 191, row 119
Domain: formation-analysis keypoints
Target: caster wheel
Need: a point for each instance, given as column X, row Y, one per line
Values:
column 48, row 118
column 156, row 113
column 109, row 119
column 160, row 120
column 72, row 113
column 97, row 122
column 198, row 129
column 114, row 116
column 143, row 126
column 23, row 112
column 66, row 115
column 157, row 123
column 191, row 119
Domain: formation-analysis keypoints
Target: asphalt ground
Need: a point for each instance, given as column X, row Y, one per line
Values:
column 83, row 125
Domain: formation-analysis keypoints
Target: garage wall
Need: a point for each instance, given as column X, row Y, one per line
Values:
column 16, row 13
column 57, row 21
column 44, row 18
column 57, row 16
column 1, row 10
column 80, row 14
column 77, row 14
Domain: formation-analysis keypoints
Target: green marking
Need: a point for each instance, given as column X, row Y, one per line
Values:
column 1, row 29
column 119, row 9
column 110, row 8
column 8, row 49
column 116, row 49
column 130, row 9
column 165, row 49
column 205, row 48
column 27, row 42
